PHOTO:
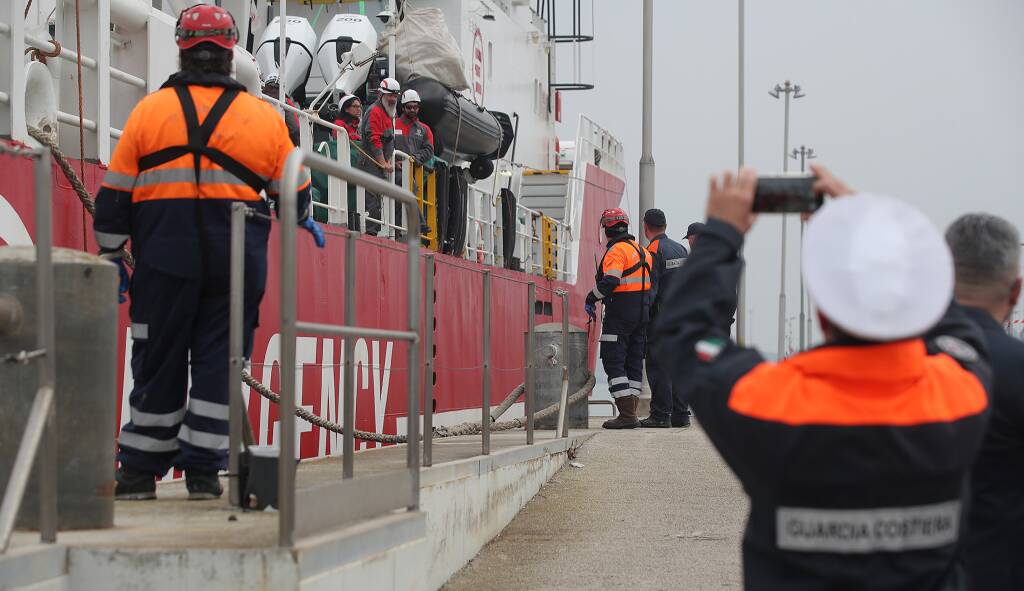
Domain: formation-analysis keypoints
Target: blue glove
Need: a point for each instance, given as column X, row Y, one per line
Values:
column 314, row 228
column 125, row 280
column 591, row 310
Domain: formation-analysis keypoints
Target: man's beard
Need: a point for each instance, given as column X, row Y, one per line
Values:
column 390, row 109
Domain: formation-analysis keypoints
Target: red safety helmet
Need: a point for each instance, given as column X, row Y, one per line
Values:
column 205, row 23
column 613, row 216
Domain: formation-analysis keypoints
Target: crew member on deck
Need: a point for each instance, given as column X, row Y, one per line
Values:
column 667, row 410
column 377, row 136
column 855, row 454
column 189, row 151
column 624, row 285
column 413, row 136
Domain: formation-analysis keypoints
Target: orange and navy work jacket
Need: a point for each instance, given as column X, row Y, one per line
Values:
column 854, row 455
column 170, row 186
column 624, row 268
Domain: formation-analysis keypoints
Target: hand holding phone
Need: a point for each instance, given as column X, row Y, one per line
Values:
column 787, row 193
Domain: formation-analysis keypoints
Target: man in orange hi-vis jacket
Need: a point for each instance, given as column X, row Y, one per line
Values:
column 189, row 151
column 855, row 454
column 623, row 284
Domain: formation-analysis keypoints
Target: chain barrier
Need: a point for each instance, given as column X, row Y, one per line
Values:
column 49, row 140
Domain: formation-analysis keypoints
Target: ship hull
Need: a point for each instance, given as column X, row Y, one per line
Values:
column 381, row 378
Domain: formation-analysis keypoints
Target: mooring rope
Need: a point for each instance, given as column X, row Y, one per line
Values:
column 469, row 428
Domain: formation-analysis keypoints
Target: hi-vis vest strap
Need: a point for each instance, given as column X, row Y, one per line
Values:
column 632, row 266
column 198, row 139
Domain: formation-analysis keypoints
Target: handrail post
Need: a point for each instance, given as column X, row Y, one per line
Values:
column 428, row 363
column 531, row 304
column 485, row 405
column 286, row 413
column 412, row 241
column 563, row 410
column 349, row 417
column 235, row 354
column 47, row 341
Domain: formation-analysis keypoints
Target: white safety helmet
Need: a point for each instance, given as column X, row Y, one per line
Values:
column 410, row 96
column 390, row 86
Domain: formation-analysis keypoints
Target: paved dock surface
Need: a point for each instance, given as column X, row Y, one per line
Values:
column 172, row 521
column 649, row 509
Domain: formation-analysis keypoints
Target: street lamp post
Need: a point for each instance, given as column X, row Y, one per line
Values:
column 787, row 88
column 803, row 154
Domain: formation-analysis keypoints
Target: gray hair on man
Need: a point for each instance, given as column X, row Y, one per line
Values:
column 986, row 255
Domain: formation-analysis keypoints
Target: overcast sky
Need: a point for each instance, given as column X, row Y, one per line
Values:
column 920, row 99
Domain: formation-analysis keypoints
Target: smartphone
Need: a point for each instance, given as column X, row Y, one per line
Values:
column 787, row 193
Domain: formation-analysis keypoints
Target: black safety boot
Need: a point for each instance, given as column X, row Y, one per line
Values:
column 133, row 485
column 683, row 421
column 627, row 414
column 653, row 422
column 203, row 486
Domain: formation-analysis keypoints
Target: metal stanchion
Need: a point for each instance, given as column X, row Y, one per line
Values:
column 531, row 345
column 563, row 424
column 47, row 369
column 349, row 417
column 428, row 364
column 235, row 353
column 485, row 406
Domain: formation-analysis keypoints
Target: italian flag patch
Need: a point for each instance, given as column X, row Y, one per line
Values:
column 708, row 349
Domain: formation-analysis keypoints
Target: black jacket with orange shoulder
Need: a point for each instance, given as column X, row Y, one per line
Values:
column 855, row 455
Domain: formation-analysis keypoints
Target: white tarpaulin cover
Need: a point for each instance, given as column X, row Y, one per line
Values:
column 425, row 47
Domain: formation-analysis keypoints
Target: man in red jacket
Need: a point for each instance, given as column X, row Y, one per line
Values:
column 377, row 132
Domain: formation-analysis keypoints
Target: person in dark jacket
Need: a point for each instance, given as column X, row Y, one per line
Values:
column 855, row 454
column 986, row 256
column 669, row 256
column 692, row 232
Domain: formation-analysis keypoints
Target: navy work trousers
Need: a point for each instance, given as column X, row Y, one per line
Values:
column 622, row 353
column 177, row 323
column 666, row 400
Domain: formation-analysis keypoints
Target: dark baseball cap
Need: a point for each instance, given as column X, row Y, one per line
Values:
column 694, row 228
column 655, row 218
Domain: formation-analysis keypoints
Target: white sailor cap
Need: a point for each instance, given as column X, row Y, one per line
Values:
column 877, row 268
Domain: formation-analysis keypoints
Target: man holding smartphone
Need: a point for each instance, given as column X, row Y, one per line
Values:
column 855, row 454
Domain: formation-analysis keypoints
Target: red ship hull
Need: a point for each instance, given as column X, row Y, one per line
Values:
column 381, row 294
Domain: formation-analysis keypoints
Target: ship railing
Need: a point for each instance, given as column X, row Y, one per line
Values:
column 543, row 242
column 99, row 112
column 39, row 440
column 595, row 146
column 312, row 510
column 530, row 355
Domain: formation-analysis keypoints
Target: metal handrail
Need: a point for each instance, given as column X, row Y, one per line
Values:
column 290, row 325
column 40, row 436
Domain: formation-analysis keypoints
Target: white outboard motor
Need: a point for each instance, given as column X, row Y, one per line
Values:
column 301, row 43
column 345, row 33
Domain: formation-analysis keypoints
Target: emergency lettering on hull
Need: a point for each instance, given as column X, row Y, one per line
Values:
column 858, row 531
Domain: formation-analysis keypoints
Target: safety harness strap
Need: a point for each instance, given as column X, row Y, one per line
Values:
column 199, row 136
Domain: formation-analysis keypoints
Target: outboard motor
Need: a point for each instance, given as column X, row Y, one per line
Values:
column 346, row 33
column 301, row 43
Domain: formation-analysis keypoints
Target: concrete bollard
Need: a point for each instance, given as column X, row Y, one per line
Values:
column 86, row 391
column 547, row 359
